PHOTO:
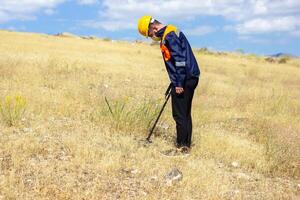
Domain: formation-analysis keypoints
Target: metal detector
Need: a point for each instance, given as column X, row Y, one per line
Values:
column 167, row 96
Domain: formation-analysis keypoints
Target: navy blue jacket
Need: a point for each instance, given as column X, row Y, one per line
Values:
column 179, row 59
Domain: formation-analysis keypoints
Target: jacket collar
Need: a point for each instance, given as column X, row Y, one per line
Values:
column 161, row 31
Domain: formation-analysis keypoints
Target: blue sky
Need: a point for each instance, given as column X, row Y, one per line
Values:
column 256, row 26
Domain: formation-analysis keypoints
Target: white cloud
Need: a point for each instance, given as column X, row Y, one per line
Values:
column 172, row 9
column 268, row 25
column 13, row 28
column 49, row 11
column 87, row 2
column 262, row 41
column 109, row 25
column 254, row 40
column 200, row 30
column 295, row 33
column 245, row 15
column 229, row 28
column 24, row 9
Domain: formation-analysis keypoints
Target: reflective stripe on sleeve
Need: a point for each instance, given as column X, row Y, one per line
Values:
column 180, row 64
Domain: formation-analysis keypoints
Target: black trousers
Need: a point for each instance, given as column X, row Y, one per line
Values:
column 181, row 111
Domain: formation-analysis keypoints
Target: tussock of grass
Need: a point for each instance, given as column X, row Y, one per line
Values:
column 12, row 109
column 125, row 115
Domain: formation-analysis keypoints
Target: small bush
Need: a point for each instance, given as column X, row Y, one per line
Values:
column 12, row 109
column 107, row 39
column 270, row 60
column 283, row 60
column 127, row 115
column 280, row 60
column 203, row 50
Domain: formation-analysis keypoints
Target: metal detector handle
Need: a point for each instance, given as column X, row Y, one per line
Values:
column 168, row 90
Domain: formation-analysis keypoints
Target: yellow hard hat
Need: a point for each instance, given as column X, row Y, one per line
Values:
column 143, row 25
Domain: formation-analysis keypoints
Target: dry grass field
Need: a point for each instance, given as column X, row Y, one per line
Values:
column 58, row 139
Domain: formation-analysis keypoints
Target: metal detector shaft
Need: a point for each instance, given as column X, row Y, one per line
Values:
column 167, row 96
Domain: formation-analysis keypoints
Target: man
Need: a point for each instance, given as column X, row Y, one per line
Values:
column 183, row 72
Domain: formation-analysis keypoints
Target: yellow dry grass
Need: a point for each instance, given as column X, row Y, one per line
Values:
column 246, row 112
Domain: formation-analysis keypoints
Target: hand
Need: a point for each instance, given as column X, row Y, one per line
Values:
column 179, row 90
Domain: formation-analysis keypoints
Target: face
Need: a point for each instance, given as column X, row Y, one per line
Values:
column 152, row 30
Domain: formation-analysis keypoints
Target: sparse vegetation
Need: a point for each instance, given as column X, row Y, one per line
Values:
column 107, row 39
column 125, row 115
column 203, row 50
column 12, row 109
column 246, row 114
column 283, row 60
column 280, row 60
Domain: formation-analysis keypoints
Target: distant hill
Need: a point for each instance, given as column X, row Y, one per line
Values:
column 283, row 55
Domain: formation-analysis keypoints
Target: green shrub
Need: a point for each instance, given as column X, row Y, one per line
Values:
column 12, row 109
